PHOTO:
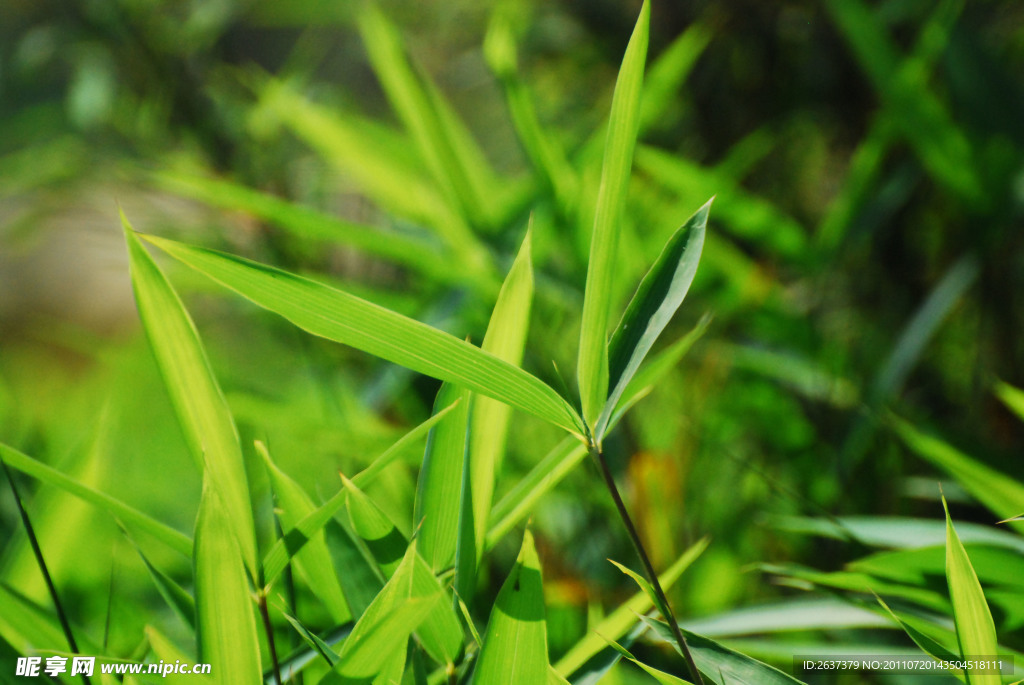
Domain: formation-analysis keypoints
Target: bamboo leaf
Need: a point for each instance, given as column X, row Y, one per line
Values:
column 505, row 339
column 592, row 367
column 313, row 561
column 1001, row 494
column 440, row 631
column 515, row 646
column 384, row 628
column 438, row 491
column 226, row 626
column 619, row 622
column 1012, row 397
column 202, row 411
column 975, row 630
column 722, row 665
column 660, row 676
column 277, row 558
column 656, row 300
column 132, row 519
column 338, row 316
column 382, row 537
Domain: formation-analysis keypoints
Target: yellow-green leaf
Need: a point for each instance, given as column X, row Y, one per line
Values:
column 505, row 339
column 515, row 646
column 975, row 630
column 347, row 319
column 592, row 367
column 225, row 624
column 202, row 411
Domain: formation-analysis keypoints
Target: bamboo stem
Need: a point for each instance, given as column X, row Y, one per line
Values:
column 665, row 608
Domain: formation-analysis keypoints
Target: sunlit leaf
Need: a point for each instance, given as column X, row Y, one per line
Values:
column 202, row 411
column 975, row 629
column 344, row 318
column 656, row 300
column 225, row 624
column 314, row 559
column 592, row 368
column 505, row 339
column 515, row 646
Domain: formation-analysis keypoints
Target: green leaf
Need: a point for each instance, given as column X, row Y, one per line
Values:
column 177, row 599
column 202, row 411
column 1001, row 494
column 439, row 489
column 132, row 519
column 277, row 558
column 975, row 629
column 722, row 665
column 505, row 339
column 660, row 676
column 382, row 631
column 926, row 643
column 313, row 561
column 616, row 624
column 592, row 366
column 226, row 626
column 338, row 316
column 1012, row 397
column 656, row 300
column 515, row 648
column 168, row 652
column 382, row 537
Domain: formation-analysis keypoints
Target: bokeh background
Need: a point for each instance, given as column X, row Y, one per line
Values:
column 865, row 261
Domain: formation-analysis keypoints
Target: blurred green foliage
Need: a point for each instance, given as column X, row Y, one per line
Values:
column 865, row 258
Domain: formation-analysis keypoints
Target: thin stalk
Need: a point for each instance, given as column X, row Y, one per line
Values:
column 664, row 607
column 265, row 615
column 30, row 531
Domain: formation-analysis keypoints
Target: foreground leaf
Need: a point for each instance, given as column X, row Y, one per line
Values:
column 226, row 626
column 347, row 319
column 313, row 561
column 656, row 300
column 975, row 630
column 592, row 366
column 515, row 647
column 619, row 622
column 722, row 665
column 198, row 402
column 384, row 628
column 439, row 489
column 505, row 339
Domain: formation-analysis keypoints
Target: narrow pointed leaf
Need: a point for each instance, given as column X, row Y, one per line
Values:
column 132, row 519
column 656, row 300
column 399, row 609
column 592, row 366
column 1001, row 494
column 277, row 558
column 722, row 665
column 975, row 630
column 438, row 491
column 505, row 339
column 338, row 316
column 313, row 561
column 226, row 626
column 620, row 621
column 660, row 676
column 381, row 536
column 1012, row 397
column 202, row 411
column 515, row 646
